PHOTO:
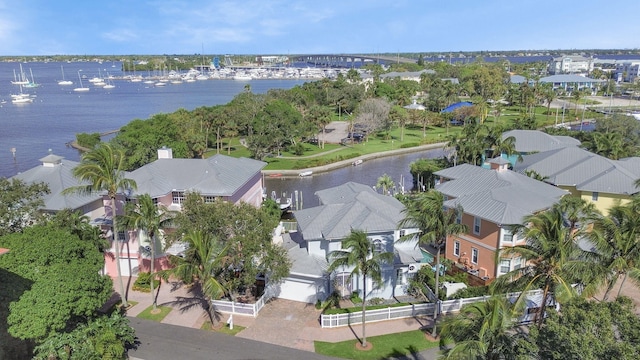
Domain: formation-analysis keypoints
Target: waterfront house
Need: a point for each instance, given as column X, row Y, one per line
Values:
column 320, row 231
column 166, row 180
column 592, row 177
column 57, row 173
column 493, row 200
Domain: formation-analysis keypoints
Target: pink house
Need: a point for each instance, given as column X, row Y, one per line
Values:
column 166, row 180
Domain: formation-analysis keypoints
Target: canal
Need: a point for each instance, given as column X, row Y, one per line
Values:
column 302, row 189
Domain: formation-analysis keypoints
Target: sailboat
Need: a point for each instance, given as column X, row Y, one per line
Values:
column 63, row 81
column 32, row 83
column 21, row 98
column 21, row 79
column 81, row 88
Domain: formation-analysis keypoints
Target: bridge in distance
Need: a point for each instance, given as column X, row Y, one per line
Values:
column 322, row 60
column 350, row 60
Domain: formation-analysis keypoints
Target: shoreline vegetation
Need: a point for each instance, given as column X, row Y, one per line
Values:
column 293, row 130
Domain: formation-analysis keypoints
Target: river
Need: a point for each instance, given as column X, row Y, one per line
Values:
column 58, row 113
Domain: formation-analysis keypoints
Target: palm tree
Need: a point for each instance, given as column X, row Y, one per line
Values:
column 617, row 246
column 482, row 330
column 150, row 218
column 427, row 213
column 102, row 169
column 204, row 260
column 360, row 253
column 553, row 258
column 386, row 183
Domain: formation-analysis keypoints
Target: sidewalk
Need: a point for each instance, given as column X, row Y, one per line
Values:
column 280, row 322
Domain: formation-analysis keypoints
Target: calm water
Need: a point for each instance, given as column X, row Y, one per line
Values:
column 58, row 113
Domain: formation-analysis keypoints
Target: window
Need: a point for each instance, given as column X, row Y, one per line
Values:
column 403, row 233
column 505, row 266
column 177, row 197
column 517, row 263
column 459, row 217
column 476, row 225
column 456, row 248
column 155, row 201
column 377, row 245
column 507, row 235
column 209, row 199
column 399, row 276
column 474, row 255
column 594, row 196
column 121, row 236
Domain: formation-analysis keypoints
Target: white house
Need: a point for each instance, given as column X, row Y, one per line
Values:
column 570, row 64
column 321, row 229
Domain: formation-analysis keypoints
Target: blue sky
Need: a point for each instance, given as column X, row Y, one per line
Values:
column 120, row 27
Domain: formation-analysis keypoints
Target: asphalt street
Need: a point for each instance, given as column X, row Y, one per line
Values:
column 169, row 342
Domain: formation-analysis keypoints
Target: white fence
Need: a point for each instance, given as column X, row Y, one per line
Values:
column 232, row 307
column 401, row 312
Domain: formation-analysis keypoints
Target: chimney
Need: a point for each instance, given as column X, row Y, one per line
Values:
column 165, row 153
column 499, row 164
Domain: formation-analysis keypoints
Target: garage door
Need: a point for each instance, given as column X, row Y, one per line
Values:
column 129, row 267
column 303, row 290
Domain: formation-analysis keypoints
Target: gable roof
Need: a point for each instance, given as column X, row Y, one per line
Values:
column 57, row 173
column 348, row 207
column 528, row 141
column 586, row 171
column 502, row 197
column 218, row 175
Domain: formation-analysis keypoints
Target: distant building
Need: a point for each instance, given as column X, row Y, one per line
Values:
column 627, row 71
column 570, row 64
column 572, row 82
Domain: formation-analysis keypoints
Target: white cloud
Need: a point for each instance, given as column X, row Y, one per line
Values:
column 121, row 35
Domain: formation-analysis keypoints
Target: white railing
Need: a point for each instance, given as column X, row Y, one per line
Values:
column 232, row 307
column 401, row 312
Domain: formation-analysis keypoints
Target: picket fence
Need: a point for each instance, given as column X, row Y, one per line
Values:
column 236, row 308
column 401, row 312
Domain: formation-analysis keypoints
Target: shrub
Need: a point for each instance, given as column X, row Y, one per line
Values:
column 143, row 282
column 297, row 149
column 88, row 140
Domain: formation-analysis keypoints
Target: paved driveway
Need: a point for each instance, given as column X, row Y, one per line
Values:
column 286, row 323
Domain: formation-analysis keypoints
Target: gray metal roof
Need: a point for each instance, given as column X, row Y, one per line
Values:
column 365, row 210
column 528, row 141
column 343, row 193
column 502, row 197
column 303, row 263
column 218, row 175
column 518, row 79
column 569, row 78
column 57, row 173
column 584, row 170
column 460, row 171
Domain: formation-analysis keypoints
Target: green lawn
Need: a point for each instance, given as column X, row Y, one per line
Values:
column 384, row 347
column 413, row 136
column 146, row 313
column 223, row 329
